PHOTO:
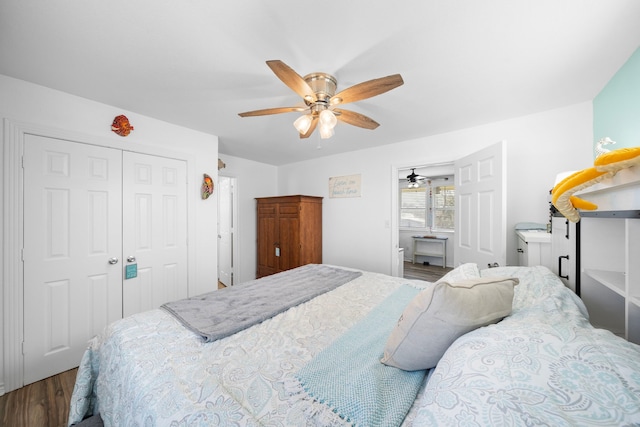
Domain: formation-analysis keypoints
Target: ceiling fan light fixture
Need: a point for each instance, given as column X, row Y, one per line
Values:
column 303, row 123
column 327, row 118
column 326, row 131
column 413, row 185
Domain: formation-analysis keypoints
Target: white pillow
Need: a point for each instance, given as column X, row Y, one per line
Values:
column 440, row 314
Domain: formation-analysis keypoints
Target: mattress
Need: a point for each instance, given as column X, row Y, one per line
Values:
column 542, row 365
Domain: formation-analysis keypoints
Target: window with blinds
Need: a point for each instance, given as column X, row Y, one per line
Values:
column 413, row 207
column 430, row 206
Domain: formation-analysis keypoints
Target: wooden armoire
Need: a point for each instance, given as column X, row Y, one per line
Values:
column 289, row 233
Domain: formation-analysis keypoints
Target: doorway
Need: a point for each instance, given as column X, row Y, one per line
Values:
column 228, row 259
column 426, row 208
column 480, row 217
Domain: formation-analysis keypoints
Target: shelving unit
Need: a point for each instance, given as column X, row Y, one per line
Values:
column 420, row 250
column 609, row 255
column 613, row 280
column 610, row 270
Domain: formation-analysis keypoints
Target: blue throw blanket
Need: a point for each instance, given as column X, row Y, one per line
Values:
column 349, row 378
column 221, row 313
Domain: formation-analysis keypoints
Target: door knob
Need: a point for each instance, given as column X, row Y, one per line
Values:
column 131, row 259
column 113, row 260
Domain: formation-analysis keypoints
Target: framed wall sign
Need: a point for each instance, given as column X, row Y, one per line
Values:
column 344, row 186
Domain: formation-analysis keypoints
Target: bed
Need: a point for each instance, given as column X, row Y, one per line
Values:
column 318, row 363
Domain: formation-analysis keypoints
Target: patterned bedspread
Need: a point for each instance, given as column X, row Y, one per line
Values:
column 543, row 365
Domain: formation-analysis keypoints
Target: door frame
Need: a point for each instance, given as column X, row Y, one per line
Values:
column 395, row 199
column 13, row 237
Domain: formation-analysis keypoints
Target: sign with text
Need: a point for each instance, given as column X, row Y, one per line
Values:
column 344, row 186
column 131, row 271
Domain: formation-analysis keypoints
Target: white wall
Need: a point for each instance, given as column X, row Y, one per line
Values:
column 356, row 232
column 254, row 180
column 36, row 105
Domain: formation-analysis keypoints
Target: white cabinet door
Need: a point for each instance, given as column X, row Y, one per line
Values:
column 154, row 231
column 481, row 231
column 563, row 250
column 523, row 255
column 72, row 228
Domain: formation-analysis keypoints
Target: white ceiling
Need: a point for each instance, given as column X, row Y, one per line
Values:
column 197, row 63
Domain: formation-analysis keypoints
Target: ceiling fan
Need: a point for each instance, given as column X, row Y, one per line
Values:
column 414, row 179
column 318, row 90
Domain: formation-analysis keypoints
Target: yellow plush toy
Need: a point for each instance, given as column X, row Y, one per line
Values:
column 605, row 165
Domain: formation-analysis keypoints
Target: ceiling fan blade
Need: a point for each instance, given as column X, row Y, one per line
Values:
column 292, row 79
column 312, row 127
column 268, row 111
column 355, row 119
column 367, row 89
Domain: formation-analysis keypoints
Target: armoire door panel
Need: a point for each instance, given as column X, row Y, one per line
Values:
column 289, row 230
column 267, row 243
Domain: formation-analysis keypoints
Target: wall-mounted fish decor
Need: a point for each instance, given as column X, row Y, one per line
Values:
column 207, row 187
column 121, row 125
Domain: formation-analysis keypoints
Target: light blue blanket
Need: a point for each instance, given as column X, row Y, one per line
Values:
column 349, row 378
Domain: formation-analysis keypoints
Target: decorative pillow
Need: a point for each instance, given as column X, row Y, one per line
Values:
column 462, row 272
column 440, row 314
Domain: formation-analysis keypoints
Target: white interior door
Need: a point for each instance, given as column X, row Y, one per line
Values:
column 154, row 231
column 225, row 229
column 72, row 228
column 481, row 231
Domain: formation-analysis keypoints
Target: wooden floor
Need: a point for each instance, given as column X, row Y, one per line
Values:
column 430, row 273
column 41, row 404
column 46, row 403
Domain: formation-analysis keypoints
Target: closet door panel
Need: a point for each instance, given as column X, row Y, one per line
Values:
column 72, row 228
column 154, row 231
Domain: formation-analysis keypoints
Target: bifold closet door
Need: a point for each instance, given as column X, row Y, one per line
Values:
column 154, row 231
column 72, row 250
column 92, row 216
